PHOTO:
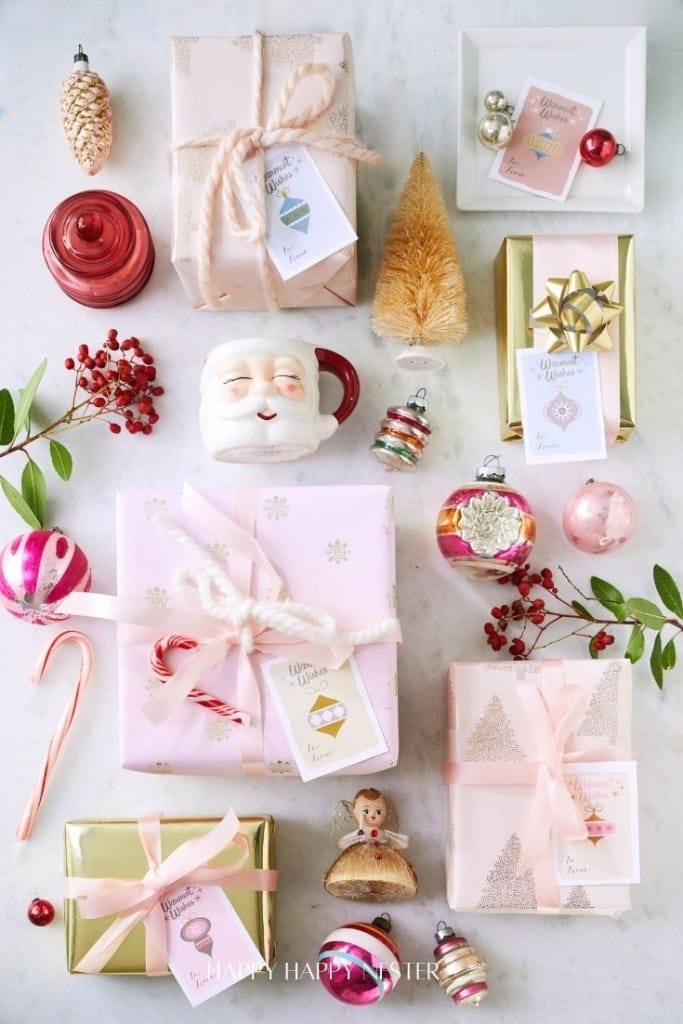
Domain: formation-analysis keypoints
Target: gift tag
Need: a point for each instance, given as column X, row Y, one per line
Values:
column 326, row 714
column 607, row 797
column 543, row 154
column 209, row 949
column 304, row 222
column 561, row 406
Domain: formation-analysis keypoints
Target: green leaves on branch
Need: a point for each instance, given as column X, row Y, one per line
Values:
column 644, row 615
column 15, row 434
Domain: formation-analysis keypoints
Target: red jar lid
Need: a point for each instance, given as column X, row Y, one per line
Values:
column 98, row 248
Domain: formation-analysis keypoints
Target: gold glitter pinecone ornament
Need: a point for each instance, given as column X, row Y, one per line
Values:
column 86, row 115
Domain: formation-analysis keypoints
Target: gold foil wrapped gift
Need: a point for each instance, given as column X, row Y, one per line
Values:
column 575, row 292
column 226, row 106
column 112, row 850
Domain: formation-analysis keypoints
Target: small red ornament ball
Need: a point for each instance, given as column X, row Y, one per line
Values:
column 598, row 147
column 40, row 912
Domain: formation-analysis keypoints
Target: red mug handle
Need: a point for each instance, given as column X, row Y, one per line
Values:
column 332, row 362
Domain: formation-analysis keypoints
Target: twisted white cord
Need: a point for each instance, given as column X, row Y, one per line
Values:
column 211, row 586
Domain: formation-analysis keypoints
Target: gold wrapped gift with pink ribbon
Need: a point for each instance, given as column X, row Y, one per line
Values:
column 232, row 98
column 118, row 872
column 573, row 292
column 520, row 734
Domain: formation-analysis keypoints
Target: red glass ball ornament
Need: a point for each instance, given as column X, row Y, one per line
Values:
column 98, row 248
column 359, row 964
column 599, row 518
column 598, row 147
column 40, row 912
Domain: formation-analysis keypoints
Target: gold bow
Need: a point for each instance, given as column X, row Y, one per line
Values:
column 576, row 313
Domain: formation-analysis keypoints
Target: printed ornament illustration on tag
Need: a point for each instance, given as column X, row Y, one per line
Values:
column 197, row 930
column 294, row 213
column 597, row 827
column 371, row 865
column 562, row 410
column 327, row 715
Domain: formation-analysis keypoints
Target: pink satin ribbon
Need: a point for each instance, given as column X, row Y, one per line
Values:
column 598, row 257
column 139, row 900
column 553, row 712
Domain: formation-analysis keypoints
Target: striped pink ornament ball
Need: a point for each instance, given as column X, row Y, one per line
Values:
column 38, row 570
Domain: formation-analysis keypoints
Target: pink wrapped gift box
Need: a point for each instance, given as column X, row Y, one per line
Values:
column 490, row 736
column 333, row 548
column 211, row 96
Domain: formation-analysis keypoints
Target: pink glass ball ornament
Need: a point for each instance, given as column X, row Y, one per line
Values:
column 359, row 964
column 599, row 518
column 486, row 529
column 39, row 569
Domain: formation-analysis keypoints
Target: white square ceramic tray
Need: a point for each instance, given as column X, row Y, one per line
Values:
column 608, row 63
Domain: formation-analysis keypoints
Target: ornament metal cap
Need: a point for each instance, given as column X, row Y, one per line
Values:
column 80, row 56
column 383, row 921
column 491, row 470
column 443, row 931
column 417, row 401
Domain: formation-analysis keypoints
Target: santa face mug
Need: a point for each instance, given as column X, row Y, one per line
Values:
column 260, row 399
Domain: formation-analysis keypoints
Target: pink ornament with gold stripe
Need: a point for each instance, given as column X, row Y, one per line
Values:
column 486, row 529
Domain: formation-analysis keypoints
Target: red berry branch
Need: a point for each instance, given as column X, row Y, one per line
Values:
column 531, row 622
column 116, row 383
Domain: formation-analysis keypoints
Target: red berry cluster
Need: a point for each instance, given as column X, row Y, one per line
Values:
column 122, row 385
column 523, row 609
column 600, row 641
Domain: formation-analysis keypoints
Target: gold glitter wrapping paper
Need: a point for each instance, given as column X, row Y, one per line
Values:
column 112, row 849
column 514, row 301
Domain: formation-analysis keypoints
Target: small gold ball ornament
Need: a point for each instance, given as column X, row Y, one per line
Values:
column 85, row 112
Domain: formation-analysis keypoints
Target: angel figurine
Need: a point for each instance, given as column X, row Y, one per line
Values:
column 371, row 865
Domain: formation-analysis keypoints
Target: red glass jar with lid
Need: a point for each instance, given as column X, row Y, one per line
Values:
column 98, row 248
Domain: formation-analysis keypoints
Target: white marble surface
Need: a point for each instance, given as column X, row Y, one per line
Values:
column 542, row 969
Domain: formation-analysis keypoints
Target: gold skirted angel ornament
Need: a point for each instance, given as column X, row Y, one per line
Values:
column 371, row 865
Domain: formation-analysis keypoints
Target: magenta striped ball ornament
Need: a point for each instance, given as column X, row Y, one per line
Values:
column 38, row 570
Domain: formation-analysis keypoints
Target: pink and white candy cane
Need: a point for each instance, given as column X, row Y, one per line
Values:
column 188, row 643
column 57, row 741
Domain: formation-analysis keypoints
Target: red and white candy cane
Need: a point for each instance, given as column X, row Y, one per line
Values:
column 160, row 668
column 57, row 741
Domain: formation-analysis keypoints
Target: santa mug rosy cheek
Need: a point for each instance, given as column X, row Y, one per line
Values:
column 260, row 399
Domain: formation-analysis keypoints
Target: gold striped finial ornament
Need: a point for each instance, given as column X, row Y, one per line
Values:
column 460, row 971
column 403, row 434
column 85, row 112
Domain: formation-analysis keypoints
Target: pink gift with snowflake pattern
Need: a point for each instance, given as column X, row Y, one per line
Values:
column 332, row 547
column 494, row 759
